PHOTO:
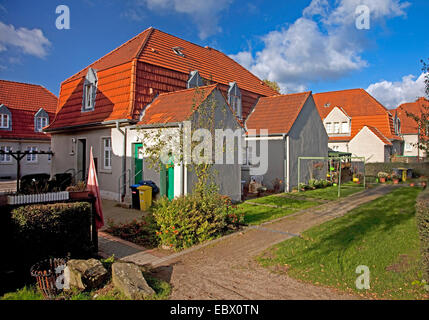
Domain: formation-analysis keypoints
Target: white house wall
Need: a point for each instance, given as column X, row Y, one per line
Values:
column 42, row 165
column 367, row 144
column 308, row 138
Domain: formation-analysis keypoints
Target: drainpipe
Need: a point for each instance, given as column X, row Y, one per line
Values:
column 286, row 163
column 124, row 160
column 182, row 165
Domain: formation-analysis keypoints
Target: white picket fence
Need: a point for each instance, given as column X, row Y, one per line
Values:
column 38, row 198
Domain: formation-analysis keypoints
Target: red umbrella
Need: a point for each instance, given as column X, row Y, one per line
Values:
column 92, row 186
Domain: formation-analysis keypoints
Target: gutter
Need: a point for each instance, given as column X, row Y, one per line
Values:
column 86, row 125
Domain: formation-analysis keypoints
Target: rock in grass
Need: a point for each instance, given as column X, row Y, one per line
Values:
column 128, row 279
column 85, row 274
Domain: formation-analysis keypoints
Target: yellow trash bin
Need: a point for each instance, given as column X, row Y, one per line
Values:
column 145, row 196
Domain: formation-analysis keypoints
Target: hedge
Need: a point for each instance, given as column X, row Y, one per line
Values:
column 41, row 231
column 422, row 216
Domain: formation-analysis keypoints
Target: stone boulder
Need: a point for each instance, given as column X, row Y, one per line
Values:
column 85, row 274
column 128, row 279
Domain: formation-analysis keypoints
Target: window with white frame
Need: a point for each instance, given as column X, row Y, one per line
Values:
column 41, row 122
column 4, row 121
column 329, row 127
column 345, row 127
column 408, row 146
column 336, row 127
column 107, row 153
column 32, row 157
column 89, row 90
column 234, row 99
column 5, row 158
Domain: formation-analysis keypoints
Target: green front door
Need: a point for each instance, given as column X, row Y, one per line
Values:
column 166, row 180
column 138, row 162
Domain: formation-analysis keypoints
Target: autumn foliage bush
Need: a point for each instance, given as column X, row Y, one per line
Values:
column 194, row 218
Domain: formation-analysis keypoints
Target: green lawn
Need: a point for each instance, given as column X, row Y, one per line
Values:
column 254, row 214
column 381, row 234
column 331, row 193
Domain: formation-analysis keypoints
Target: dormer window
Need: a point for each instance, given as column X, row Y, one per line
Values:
column 5, row 118
column 89, row 90
column 398, row 126
column 41, row 120
column 4, row 121
column 195, row 80
column 234, row 99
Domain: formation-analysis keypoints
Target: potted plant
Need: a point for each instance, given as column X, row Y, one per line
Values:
column 382, row 176
column 395, row 178
column 357, row 177
column 78, row 191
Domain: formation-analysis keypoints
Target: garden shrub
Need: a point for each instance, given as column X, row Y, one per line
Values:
column 422, row 216
column 41, row 231
column 194, row 218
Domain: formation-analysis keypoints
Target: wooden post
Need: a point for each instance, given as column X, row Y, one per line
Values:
column 94, row 232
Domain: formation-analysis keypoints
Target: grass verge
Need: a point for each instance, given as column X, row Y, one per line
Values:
column 381, row 234
column 331, row 193
column 257, row 214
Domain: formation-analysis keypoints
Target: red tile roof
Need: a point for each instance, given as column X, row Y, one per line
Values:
column 121, row 78
column 379, row 135
column 24, row 100
column 278, row 113
column 408, row 125
column 175, row 106
column 361, row 107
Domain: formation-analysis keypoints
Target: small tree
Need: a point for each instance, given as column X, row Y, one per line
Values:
column 274, row 85
column 422, row 118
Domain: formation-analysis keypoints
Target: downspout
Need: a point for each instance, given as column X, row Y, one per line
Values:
column 124, row 160
column 287, row 163
column 182, row 165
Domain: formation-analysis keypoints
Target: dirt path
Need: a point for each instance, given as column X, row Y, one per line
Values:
column 226, row 269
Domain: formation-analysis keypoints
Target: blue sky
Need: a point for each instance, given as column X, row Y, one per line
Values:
column 303, row 45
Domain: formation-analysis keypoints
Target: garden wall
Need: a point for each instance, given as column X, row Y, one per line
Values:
column 419, row 168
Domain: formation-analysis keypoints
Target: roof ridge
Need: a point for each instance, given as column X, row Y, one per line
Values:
column 109, row 53
column 353, row 89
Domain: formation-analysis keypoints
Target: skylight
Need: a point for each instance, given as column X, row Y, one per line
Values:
column 178, row 51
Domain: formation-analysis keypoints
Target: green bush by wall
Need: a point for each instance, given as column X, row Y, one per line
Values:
column 422, row 216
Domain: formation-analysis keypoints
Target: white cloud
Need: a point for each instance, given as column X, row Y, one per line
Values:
column 31, row 42
column 323, row 44
column 392, row 94
column 205, row 14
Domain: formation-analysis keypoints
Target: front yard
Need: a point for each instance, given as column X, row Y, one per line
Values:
column 381, row 234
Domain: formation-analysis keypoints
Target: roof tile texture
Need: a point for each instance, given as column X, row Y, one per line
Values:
column 24, row 100
column 278, row 113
